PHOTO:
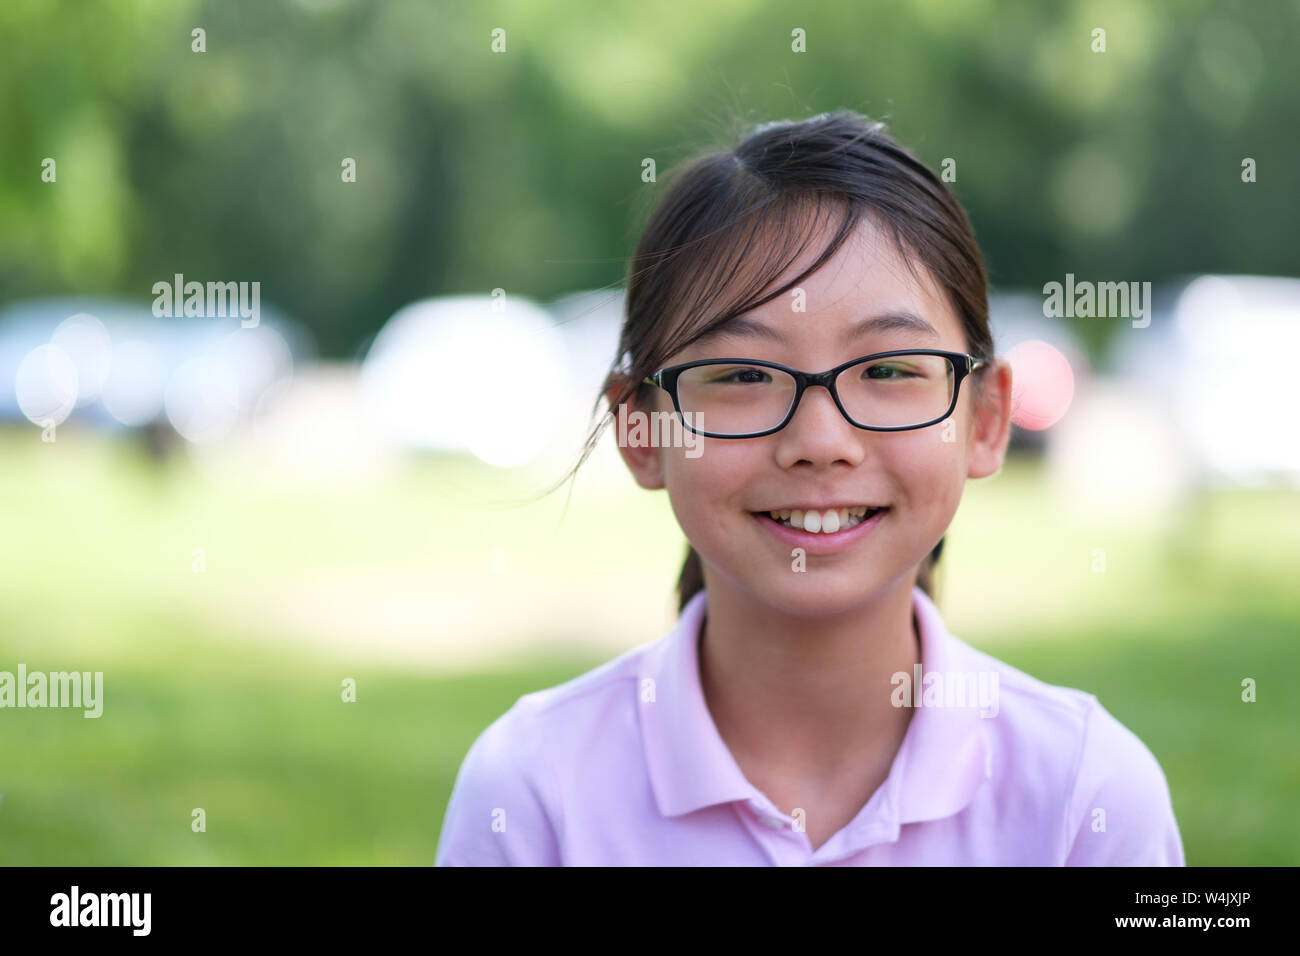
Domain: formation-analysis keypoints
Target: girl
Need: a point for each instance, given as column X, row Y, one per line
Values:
column 811, row 307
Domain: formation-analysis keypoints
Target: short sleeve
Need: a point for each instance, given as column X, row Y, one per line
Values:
column 1120, row 811
column 497, row 813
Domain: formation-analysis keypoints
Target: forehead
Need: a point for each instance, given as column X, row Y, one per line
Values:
column 865, row 291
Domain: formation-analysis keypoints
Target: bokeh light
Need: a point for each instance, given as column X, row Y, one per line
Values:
column 46, row 385
column 133, row 393
column 202, row 399
column 1042, row 384
column 468, row 373
column 86, row 341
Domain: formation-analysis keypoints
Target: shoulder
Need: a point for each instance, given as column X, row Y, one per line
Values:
column 1121, row 800
column 505, row 807
column 1081, row 761
column 561, row 719
column 531, row 726
column 1036, row 718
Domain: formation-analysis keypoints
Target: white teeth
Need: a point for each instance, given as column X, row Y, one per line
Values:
column 827, row 522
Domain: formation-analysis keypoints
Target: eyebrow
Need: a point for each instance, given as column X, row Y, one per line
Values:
column 900, row 320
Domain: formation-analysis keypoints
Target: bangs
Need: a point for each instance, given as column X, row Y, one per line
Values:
column 731, row 268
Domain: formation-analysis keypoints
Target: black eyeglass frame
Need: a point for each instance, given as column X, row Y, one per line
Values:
column 962, row 365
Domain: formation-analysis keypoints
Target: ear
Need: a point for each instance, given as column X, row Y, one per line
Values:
column 640, row 455
column 991, row 421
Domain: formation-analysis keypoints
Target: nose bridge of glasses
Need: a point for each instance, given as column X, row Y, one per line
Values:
column 808, row 380
column 824, row 379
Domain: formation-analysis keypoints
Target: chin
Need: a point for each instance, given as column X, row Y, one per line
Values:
column 813, row 594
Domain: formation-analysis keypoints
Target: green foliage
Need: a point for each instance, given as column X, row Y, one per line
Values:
column 521, row 170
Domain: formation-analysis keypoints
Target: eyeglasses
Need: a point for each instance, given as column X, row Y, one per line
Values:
column 883, row 392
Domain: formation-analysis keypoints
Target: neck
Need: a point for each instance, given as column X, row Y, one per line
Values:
column 810, row 696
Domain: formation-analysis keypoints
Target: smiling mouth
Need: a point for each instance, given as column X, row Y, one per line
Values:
column 829, row 521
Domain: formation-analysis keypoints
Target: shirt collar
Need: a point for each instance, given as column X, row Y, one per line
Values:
column 942, row 762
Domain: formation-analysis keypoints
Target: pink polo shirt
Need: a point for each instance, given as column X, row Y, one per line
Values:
column 623, row 766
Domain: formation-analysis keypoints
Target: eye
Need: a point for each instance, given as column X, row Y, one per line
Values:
column 891, row 372
column 740, row 376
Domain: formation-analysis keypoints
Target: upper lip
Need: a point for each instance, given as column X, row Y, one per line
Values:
column 825, row 507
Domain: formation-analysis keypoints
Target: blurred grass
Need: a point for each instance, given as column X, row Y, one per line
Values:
column 197, row 714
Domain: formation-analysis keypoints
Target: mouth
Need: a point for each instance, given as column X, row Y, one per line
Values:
column 824, row 520
column 793, row 528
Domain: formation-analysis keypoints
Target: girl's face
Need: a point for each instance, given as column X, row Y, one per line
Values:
column 720, row 488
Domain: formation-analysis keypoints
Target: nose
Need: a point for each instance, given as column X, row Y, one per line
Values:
column 819, row 434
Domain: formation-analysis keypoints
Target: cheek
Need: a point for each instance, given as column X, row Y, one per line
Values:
column 689, row 485
column 930, row 471
column 706, row 488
